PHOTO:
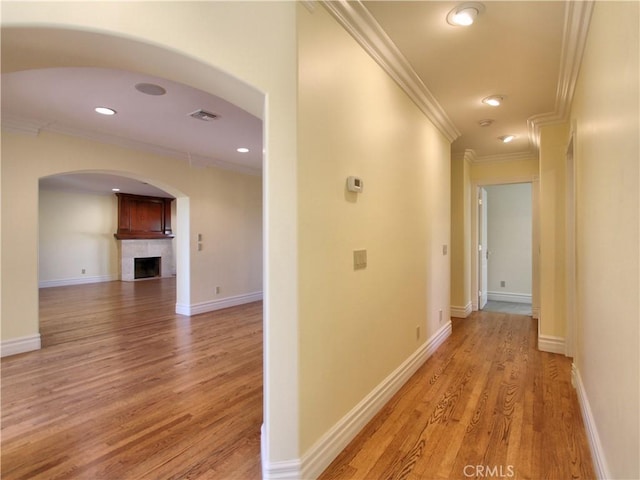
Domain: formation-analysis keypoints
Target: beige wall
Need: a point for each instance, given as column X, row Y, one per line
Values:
column 460, row 236
column 243, row 51
column 357, row 327
column 498, row 172
column 554, row 140
column 605, row 114
column 224, row 206
column 75, row 232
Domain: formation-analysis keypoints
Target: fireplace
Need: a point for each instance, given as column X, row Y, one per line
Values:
column 132, row 251
column 146, row 267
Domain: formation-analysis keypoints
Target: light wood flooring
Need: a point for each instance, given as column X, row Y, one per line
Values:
column 126, row 389
column 487, row 404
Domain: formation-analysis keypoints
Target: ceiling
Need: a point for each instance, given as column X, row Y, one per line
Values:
column 515, row 49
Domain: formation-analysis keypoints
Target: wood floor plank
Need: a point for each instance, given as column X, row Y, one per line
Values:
column 488, row 404
column 126, row 389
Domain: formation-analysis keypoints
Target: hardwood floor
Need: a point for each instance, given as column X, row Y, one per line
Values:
column 126, row 389
column 487, row 404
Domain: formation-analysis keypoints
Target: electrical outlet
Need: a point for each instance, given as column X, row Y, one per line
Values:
column 417, row 332
column 503, row 283
column 84, row 271
column 440, row 315
column 217, row 290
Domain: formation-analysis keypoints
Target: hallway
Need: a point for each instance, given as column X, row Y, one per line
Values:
column 487, row 404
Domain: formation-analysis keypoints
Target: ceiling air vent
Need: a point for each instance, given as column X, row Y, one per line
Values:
column 203, row 115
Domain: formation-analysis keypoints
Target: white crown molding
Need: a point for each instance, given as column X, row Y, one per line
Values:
column 13, row 124
column 364, row 28
column 576, row 27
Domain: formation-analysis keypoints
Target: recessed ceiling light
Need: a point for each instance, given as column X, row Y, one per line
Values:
column 464, row 14
column 242, row 150
column 105, row 111
column 507, row 138
column 115, row 189
column 493, row 100
column 486, row 122
column 150, row 89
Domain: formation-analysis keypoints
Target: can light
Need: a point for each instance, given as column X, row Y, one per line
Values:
column 105, row 111
column 242, row 150
column 507, row 138
column 493, row 100
column 464, row 14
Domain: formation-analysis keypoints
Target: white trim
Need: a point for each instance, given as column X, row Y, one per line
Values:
column 551, row 344
column 509, row 297
column 461, row 312
column 363, row 27
column 576, row 26
column 77, row 281
column 14, row 346
column 283, row 470
column 595, row 445
column 212, row 305
column 327, row 448
column 535, row 312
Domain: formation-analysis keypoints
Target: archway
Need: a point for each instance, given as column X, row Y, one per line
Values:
column 117, row 52
column 92, row 190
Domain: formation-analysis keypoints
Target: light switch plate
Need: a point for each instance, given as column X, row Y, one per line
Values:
column 359, row 259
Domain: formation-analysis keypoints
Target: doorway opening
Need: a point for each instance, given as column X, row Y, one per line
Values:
column 505, row 248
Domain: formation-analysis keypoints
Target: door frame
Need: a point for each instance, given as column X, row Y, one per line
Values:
column 476, row 185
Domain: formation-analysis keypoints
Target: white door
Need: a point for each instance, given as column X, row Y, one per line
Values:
column 483, row 252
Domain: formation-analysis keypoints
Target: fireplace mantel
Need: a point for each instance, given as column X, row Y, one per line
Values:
column 143, row 218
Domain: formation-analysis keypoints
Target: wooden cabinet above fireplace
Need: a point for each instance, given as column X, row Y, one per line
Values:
column 141, row 217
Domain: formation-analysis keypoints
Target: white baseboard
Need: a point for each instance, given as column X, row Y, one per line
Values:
column 509, row 297
column 14, row 346
column 77, row 281
column 327, row 448
column 597, row 452
column 212, row 305
column 286, row 470
column 535, row 312
column 551, row 344
column 461, row 312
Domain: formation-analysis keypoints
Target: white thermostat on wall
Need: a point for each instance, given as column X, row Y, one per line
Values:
column 354, row 184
